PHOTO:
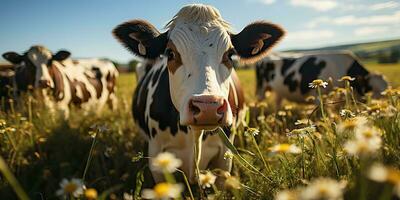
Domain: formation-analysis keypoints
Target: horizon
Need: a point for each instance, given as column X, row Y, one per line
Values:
column 84, row 28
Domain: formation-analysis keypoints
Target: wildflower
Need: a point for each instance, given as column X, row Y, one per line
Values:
column 351, row 124
column 347, row 78
column 285, row 148
column 286, row 195
column 389, row 92
column 318, row 83
column 70, row 187
column 362, row 146
column 207, row 179
column 380, row 173
column 128, row 196
column 302, row 131
column 10, row 129
column 232, row 182
column 166, row 161
column 252, row 131
column 303, row 122
column 281, row 113
column 163, row 191
column 2, row 122
column 323, row 188
column 228, row 155
column 91, row 193
column 367, row 133
column 347, row 113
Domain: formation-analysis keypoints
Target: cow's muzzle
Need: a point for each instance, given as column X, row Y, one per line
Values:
column 207, row 110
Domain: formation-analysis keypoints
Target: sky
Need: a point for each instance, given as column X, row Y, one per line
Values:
column 84, row 26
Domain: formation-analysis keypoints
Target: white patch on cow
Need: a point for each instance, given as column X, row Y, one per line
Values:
column 40, row 57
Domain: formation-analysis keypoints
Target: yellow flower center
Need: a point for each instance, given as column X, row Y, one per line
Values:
column 164, row 162
column 346, row 78
column 70, row 188
column 91, row 193
column 283, row 148
column 317, row 82
column 162, row 189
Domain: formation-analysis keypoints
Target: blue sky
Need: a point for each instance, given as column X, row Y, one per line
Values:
column 84, row 27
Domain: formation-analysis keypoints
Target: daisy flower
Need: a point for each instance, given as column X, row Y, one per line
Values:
column 323, row 188
column 285, row 148
column 72, row 187
column 163, row 191
column 166, row 161
column 207, row 179
column 318, row 83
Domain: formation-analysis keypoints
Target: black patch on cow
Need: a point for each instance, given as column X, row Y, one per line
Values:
column 310, row 70
column 161, row 109
column 287, row 64
column 139, row 102
column 153, row 132
column 360, row 84
column 290, row 83
column 156, row 76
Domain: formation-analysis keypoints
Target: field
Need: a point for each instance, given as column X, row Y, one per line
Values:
column 279, row 154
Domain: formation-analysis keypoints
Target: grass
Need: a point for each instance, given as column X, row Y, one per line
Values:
column 43, row 150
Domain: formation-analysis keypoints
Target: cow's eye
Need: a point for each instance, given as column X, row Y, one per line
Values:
column 170, row 54
column 227, row 58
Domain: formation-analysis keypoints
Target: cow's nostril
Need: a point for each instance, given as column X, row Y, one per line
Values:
column 222, row 109
column 195, row 110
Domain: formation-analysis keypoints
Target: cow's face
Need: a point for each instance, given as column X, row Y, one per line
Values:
column 265, row 74
column 198, row 49
column 35, row 65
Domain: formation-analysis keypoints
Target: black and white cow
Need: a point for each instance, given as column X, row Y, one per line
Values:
column 61, row 82
column 191, row 84
column 289, row 74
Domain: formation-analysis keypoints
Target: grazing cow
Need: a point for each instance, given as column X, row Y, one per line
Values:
column 289, row 74
column 61, row 82
column 191, row 84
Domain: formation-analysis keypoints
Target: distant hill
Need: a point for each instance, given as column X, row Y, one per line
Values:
column 381, row 51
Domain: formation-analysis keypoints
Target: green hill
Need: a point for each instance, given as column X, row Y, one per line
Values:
column 387, row 51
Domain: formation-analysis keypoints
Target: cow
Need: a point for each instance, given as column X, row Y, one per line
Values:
column 289, row 74
column 191, row 84
column 61, row 82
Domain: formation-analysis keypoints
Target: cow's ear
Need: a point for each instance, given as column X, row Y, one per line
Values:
column 61, row 55
column 255, row 40
column 141, row 38
column 13, row 57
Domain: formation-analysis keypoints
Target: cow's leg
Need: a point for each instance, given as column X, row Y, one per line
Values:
column 112, row 101
column 278, row 101
column 154, row 150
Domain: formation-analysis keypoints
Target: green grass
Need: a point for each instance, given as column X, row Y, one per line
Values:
column 42, row 152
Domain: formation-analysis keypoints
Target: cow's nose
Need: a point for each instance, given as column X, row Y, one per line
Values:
column 44, row 83
column 207, row 109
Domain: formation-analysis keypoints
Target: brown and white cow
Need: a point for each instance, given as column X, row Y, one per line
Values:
column 191, row 84
column 61, row 82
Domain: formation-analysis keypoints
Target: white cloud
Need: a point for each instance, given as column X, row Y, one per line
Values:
column 385, row 5
column 351, row 20
column 309, row 35
column 371, row 30
column 267, row 2
column 319, row 5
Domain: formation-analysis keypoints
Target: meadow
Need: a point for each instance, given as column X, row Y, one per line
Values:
column 344, row 149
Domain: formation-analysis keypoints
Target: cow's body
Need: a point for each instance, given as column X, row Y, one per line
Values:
column 158, row 121
column 85, row 83
column 289, row 75
column 187, row 83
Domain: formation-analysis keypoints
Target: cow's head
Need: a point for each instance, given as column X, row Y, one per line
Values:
column 33, row 65
column 378, row 84
column 197, row 48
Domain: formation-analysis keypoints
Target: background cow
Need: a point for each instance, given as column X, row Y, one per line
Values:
column 191, row 84
column 60, row 82
column 289, row 75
